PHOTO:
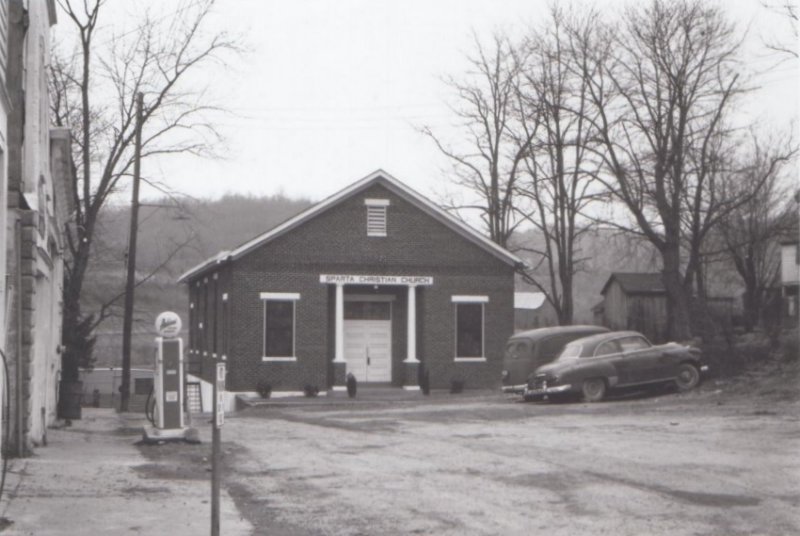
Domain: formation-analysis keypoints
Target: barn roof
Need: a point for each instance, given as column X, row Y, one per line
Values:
column 637, row 283
column 378, row 177
column 528, row 300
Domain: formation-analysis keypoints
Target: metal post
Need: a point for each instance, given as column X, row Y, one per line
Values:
column 216, row 424
column 18, row 415
column 130, row 284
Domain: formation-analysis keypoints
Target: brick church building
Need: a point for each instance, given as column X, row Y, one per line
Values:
column 375, row 280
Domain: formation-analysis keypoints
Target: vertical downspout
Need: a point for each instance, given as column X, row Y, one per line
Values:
column 20, row 357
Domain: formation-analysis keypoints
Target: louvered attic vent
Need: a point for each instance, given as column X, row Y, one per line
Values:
column 376, row 216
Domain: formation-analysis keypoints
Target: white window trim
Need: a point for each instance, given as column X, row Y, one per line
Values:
column 470, row 299
column 462, row 299
column 278, row 296
column 377, row 202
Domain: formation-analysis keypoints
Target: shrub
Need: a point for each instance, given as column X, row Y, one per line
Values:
column 790, row 347
column 264, row 389
column 456, row 386
column 424, row 380
column 352, row 385
column 310, row 391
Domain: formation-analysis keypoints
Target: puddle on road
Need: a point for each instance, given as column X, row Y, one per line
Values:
column 720, row 500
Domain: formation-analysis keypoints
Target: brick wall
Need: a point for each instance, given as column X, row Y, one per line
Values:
column 334, row 242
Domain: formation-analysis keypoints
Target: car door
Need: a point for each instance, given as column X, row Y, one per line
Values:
column 642, row 360
column 610, row 353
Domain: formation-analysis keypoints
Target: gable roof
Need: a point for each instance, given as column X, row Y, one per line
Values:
column 528, row 300
column 637, row 283
column 377, row 177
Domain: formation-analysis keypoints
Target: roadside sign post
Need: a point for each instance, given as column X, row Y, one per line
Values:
column 219, row 417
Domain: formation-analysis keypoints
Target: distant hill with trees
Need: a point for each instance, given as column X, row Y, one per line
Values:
column 172, row 238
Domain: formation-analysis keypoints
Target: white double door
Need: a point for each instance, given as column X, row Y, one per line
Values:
column 368, row 349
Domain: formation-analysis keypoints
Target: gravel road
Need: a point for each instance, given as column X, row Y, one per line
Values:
column 700, row 463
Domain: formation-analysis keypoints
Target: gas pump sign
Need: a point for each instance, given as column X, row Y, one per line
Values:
column 219, row 416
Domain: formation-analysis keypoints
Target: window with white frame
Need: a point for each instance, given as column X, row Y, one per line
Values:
column 278, row 325
column 376, row 216
column 469, row 320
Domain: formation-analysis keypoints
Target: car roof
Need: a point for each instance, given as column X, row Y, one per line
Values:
column 536, row 334
column 593, row 340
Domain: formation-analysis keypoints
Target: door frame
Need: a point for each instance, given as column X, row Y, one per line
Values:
column 390, row 298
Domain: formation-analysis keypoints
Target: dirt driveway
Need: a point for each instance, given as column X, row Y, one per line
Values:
column 700, row 464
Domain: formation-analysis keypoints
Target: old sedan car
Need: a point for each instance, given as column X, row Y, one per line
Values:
column 528, row 350
column 593, row 365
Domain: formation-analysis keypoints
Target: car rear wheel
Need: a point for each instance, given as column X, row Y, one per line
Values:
column 594, row 389
column 688, row 377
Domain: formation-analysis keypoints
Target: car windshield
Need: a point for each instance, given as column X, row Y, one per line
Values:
column 570, row 351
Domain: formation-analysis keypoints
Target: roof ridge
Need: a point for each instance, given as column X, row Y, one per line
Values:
column 403, row 190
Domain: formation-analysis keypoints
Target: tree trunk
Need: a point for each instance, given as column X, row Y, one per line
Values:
column 565, row 316
column 678, row 307
column 73, row 333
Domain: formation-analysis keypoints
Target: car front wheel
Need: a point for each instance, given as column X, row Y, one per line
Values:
column 688, row 377
column 594, row 390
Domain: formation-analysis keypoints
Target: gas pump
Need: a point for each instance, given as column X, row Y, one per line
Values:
column 168, row 381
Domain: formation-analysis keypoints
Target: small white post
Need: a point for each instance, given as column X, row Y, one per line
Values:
column 339, row 355
column 411, row 351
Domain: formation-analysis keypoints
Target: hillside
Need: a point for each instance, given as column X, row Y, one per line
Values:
column 185, row 237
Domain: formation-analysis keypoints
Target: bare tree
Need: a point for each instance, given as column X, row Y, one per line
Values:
column 660, row 84
column 94, row 91
column 788, row 10
column 749, row 235
column 553, row 96
column 490, row 165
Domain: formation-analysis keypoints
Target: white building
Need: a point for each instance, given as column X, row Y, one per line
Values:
column 38, row 170
column 790, row 281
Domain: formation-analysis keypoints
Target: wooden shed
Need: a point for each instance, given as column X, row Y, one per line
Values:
column 636, row 301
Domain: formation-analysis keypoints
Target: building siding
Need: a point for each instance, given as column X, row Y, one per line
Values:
column 335, row 242
column 646, row 313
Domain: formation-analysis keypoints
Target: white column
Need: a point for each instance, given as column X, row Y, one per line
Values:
column 411, row 329
column 339, row 355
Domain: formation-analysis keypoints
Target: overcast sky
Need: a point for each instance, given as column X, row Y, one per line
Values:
column 330, row 91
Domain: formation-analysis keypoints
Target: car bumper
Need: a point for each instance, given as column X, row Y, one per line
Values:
column 556, row 389
column 514, row 389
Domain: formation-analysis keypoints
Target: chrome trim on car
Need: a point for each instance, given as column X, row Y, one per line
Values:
column 514, row 389
column 704, row 368
column 549, row 390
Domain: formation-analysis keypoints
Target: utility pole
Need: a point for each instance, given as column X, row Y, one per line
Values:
column 130, row 283
column 216, row 438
